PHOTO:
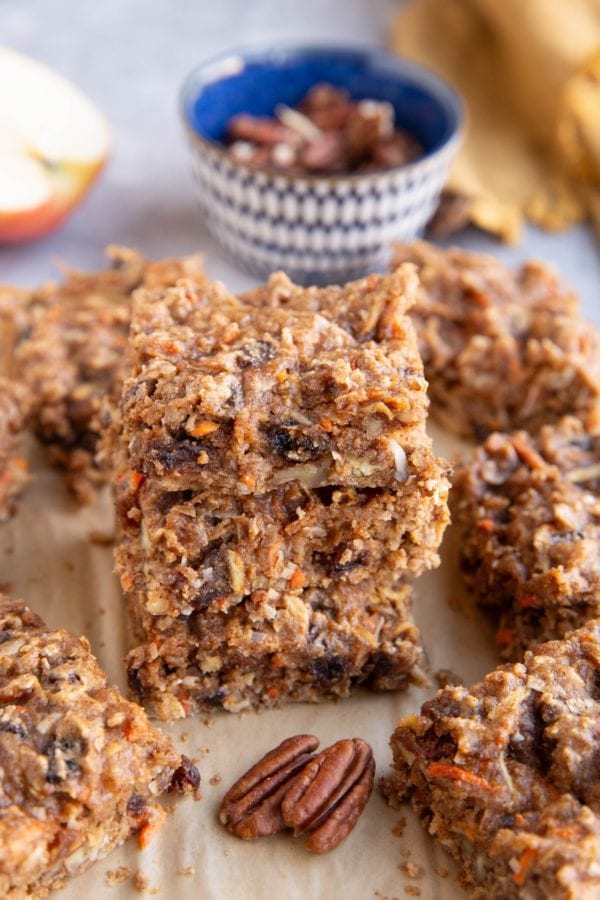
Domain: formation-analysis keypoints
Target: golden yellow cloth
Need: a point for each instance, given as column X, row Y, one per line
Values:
column 529, row 71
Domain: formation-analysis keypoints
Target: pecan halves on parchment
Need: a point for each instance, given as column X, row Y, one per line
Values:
column 251, row 808
column 290, row 787
column 329, row 794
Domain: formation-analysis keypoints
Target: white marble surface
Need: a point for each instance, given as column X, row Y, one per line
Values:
column 131, row 56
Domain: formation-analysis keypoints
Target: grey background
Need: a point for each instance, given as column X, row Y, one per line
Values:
column 131, row 56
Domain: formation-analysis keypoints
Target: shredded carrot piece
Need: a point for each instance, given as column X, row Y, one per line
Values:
column 529, row 456
column 505, row 636
column 448, row 770
column 170, row 347
column 249, row 480
column 230, row 333
column 297, row 579
column 136, row 480
column 127, row 581
column 20, row 463
column 204, row 428
column 150, row 827
column 486, row 525
column 524, row 865
column 129, row 729
column 568, row 833
column 527, row 601
column 272, row 693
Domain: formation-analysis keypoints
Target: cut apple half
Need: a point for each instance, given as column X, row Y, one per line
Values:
column 53, row 144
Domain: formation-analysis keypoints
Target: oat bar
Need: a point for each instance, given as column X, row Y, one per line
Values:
column 248, row 399
column 71, row 355
column 13, row 467
column 502, row 349
column 305, row 645
column 207, row 546
column 529, row 512
column 504, row 774
column 81, row 766
column 274, row 482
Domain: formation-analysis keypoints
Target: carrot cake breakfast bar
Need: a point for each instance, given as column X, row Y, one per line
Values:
column 529, row 512
column 13, row 468
column 81, row 768
column 505, row 773
column 502, row 349
column 71, row 354
column 275, row 482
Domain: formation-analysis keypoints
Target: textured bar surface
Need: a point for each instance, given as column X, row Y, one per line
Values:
column 69, row 346
column 502, row 349
column 504, row 773
column 275, row 481
column 529, row 511
column 13, row 467
column 82, row 767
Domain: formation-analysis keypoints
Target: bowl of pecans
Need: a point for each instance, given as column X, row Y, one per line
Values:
column 316, row 159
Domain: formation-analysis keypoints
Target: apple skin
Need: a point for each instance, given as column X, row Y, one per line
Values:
column 70, row 183
column 54, row 142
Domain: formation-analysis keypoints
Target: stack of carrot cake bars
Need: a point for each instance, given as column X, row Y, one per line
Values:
column 275, row 486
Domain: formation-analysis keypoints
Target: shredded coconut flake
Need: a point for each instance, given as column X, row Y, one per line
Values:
column 399, row 459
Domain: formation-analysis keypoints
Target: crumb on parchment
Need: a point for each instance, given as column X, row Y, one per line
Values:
column 117, row 876
column 142, row 884
column 411, row 869
column 398, row 829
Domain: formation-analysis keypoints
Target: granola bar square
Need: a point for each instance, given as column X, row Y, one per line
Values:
column 502, row 349
column 504, row 773
column 251, row 398
column 69, row 342
column 274, row 476
column 529, row 512
column 307, row 645
column 82, row 768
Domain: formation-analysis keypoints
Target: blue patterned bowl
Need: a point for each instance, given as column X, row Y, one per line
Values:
column 319, row 228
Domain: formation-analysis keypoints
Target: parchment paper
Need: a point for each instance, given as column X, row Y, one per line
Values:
column 47, row 558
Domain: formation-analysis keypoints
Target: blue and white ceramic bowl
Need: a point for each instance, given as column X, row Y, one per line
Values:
column 319, row 228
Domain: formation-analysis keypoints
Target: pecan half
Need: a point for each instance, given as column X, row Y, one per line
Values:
column 251, row 808
column 329, row 794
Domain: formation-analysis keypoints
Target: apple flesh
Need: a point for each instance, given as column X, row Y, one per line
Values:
column 53, row 144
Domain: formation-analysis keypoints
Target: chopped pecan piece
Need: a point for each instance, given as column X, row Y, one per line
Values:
column 330, row 793
column 251, row 808
column 328, row 132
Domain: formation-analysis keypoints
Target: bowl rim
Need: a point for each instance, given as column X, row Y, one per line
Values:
column 229, row 61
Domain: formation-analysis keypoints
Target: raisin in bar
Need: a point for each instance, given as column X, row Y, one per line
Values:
column 504, row 774
column 13, row 467
column 82, row 767
column 502, row 349
column 529, row 512
column 274, row 470
column 71, row 355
